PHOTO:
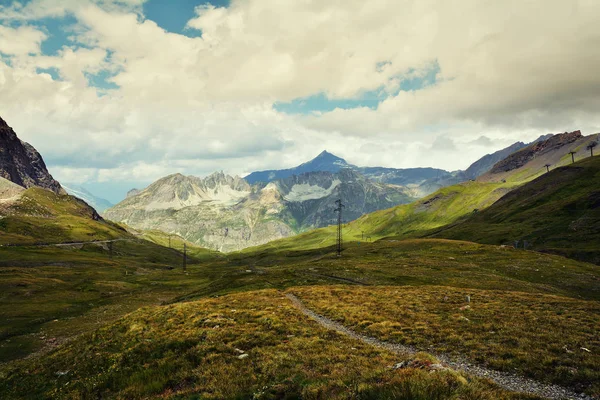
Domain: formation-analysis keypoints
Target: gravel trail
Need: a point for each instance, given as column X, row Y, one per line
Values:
column 505, row 380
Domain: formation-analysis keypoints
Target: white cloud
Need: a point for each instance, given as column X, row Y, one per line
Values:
column 21, row 40
column 202, row 104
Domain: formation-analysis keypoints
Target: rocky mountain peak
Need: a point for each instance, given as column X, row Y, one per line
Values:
column 20, row 162
column 327, row 160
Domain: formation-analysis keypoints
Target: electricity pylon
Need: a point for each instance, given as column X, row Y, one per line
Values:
column 339, row 208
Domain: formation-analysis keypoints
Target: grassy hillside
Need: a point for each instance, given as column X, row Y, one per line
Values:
column 41, row 216
column 176, row 242
column 250, row 345
column 417, row 219
column 126, row 321
column 508, row 331
column 50, row 295
column 558, row 212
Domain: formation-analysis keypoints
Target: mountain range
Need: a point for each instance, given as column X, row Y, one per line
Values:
column 422, row 181
column 227, row 213
column 554, row 209
column 231, row 213
column 72, row 283
column 328, row 162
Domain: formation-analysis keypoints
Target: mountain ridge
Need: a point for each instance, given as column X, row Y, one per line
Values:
column 558, row 212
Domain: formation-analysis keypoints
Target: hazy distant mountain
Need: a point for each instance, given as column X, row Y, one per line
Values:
column 20, row 162
column 485, row 163
column 422, row 181
column 98, row 203
column 325, row 162
column 403, row 176
column 227, row 213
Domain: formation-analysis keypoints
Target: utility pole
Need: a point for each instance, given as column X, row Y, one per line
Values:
column 169, row 241
column 184, row 257
column 362, row 235
column 547, row 167
column 572, row 153
column 339, row 208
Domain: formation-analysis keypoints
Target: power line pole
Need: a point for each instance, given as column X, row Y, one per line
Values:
column 184, row 257
column 572, row 153
column 339, row 208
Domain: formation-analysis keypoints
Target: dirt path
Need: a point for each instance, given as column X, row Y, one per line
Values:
column 505, row 380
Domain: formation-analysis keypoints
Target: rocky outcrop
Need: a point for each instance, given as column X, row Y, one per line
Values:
column 20, row 162
column 534, row 150
column 9, row 190
column 132, row 193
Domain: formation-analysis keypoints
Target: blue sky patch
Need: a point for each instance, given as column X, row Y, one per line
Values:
column 173, row 18
column 52, row 71
column 5, row 58
column 101, row 80
column 371, row 99
column 58, row 30
column 321, row 103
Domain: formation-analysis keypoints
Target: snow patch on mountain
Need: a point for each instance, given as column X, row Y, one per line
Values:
column 220, row 195
column 305, row 191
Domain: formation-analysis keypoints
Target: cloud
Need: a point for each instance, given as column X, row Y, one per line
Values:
column 38, row 9
column 20, row 41
column 482, row 141
column 198, row 104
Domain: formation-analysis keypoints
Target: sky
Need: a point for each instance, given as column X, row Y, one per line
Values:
column 118, row 93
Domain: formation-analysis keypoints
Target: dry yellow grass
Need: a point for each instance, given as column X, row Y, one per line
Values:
column 246, row 345
column 550, row 338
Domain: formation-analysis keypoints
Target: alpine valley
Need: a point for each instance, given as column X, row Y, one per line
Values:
column 137, row 309
column 227, row 213
column 290, row 200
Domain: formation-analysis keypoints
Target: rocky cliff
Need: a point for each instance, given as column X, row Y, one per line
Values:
column 20, row 162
